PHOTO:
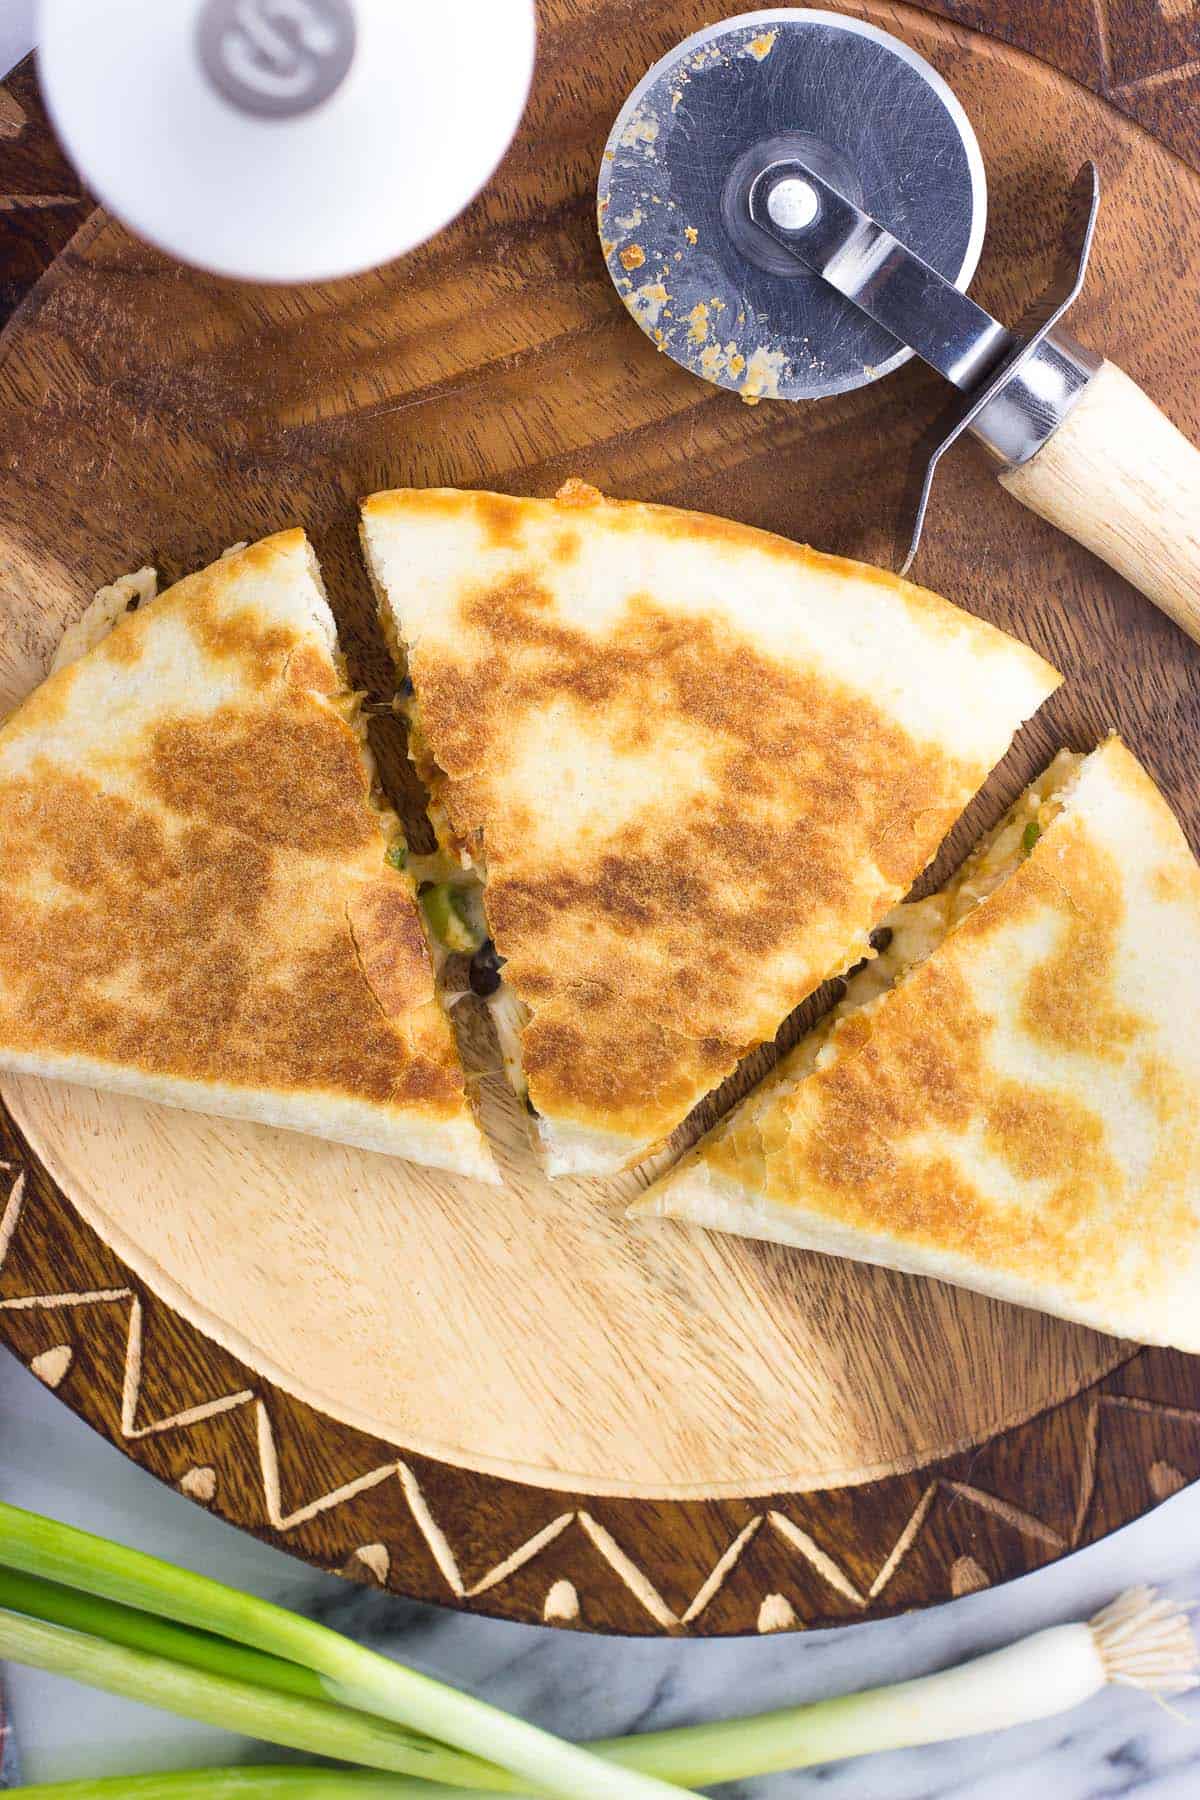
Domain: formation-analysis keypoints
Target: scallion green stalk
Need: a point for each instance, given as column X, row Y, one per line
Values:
column 314, row 1726
column 1141, row 1640
column 351, row 1675
column 266, row 1783
column 137, row 1630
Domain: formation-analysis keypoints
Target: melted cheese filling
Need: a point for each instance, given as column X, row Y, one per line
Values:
column 107, row 605
column 509, row 1017
column 917, row 927
column 432, row 776
column 463, row 864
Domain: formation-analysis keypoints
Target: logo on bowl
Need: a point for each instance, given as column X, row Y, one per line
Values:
column 276, row 58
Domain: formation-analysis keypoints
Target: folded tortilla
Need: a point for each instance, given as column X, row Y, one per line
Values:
column 695, row 765
column 195, row 901
column 1008, row 1098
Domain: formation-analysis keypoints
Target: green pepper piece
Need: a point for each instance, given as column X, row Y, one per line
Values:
column 449, row 912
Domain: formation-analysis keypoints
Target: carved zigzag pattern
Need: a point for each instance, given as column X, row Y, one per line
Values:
column 1176, row 15
column 775, row 1612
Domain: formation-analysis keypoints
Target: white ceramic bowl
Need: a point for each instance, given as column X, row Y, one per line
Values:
column 201, row 123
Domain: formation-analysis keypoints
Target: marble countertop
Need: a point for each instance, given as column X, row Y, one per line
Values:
column 1120, row 1743
column 16, row 30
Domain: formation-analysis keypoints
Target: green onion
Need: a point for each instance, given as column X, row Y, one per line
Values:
column 264, row 1783
column 397, row 855
column 1030, row 836
column 1141, row 1640
column 351, row 1675
column 315, row 1726
column 136, row 1630
column 253, row 1667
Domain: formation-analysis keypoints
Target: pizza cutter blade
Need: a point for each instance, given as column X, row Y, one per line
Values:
column 792, row 203
column 699, row 276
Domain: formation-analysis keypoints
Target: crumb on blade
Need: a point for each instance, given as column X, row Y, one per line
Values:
column 764, row 372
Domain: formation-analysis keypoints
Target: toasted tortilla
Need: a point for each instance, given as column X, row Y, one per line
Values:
column 195, row 905
column 1021, row 1113
column 695, row 762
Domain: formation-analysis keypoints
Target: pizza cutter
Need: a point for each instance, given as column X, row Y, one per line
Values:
column 792, row 203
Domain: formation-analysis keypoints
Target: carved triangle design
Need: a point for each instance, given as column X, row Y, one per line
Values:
column 268, row 1459
column 775, row 1611
column 1184, row 71
column 53, row 1365
column 14, row 1201
column 131, row 1388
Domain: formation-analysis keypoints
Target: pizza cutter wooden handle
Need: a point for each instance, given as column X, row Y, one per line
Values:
column 1119, row 478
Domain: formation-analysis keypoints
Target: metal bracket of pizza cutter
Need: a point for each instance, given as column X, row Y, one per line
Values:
column 837, row 127
column 1015, row 388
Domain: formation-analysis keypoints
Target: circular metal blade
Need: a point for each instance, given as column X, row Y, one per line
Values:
column 712, row 290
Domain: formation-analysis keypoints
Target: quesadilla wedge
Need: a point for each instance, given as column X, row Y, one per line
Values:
column 695, row 765
column 196, row 899
column 1008, row 1097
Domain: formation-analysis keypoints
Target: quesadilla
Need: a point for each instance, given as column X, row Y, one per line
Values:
column 695, row 765
column 197, row 898
column 1008, row 1097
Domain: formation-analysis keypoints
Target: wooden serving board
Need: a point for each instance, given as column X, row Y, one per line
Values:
column 511, row 1401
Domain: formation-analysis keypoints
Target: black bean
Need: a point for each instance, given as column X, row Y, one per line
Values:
column 485, row 969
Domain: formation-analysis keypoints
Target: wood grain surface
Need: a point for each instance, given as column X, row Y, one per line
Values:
column 524, row 1408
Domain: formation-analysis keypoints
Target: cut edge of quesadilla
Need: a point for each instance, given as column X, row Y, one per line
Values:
column 100, row 616
column 455, row 882
column 450, row 883
column 908, row 937
column 455, row 1141
column 1019, row 1116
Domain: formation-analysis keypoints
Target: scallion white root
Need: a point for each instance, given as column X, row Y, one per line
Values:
column 1144, row 1641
